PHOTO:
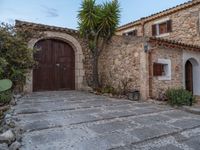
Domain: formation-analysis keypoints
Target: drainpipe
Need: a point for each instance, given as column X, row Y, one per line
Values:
column 150, row 63
column 150, row 73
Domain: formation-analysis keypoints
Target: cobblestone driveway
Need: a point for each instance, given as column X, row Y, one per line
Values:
column 81, row 121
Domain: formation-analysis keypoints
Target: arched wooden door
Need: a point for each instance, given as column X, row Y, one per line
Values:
column 189, row 76
column 56, row 66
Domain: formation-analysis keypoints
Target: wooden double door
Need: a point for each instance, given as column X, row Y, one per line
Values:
column 55, row 68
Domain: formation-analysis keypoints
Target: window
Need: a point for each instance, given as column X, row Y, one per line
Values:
column 130, row 33
column 158, row 69
column 162, row 28
column 162, row 69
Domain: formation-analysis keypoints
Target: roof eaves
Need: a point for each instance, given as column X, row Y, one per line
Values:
column 159, row 14
column 177, row 44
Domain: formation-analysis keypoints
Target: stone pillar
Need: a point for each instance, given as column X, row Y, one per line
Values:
column 144, row 75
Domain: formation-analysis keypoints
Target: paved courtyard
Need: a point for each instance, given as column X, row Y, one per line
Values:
column 82, row 121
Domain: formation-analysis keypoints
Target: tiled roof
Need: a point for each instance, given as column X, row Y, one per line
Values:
column 161, row 14
column 19, row 23
column 173, row 44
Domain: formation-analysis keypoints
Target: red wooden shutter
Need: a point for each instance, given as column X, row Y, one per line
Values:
column 158, row 69
column 169, row 26
column 135, row 33
column 154, row 33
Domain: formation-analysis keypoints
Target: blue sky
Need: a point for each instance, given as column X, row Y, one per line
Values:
column 63, row 12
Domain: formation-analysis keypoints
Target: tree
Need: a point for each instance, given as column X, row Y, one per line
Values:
column 15, row 56
column 98, row 23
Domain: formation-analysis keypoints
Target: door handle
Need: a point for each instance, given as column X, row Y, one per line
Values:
column 58, row 65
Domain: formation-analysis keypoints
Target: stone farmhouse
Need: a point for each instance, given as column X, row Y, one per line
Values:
column 180, row 24
column 153, row 54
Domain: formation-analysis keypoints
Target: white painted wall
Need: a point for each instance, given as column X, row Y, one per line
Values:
column 194, row 58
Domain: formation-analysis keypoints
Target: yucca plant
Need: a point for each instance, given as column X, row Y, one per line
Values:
column 98, row 23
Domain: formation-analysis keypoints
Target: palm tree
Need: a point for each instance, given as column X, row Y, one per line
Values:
column 98, row 23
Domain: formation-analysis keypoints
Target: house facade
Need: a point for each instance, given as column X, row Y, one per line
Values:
column 150, row 55
column 180, row 24
column 153, row 65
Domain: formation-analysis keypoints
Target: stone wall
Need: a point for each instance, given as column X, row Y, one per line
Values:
column 121, row 61
column 87, row 61
column 159, row 85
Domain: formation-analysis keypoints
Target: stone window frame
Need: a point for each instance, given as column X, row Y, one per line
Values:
column 157, row 23
column 167, row 68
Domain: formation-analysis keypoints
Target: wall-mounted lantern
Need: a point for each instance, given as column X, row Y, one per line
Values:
column 147, row 47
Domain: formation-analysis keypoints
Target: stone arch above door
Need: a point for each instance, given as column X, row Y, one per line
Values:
column 195, row 74
column 79, row 70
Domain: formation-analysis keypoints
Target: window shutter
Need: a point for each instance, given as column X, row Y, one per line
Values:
column 135, row 33
column 169, row 26
column 158, row 69
column 154, row 30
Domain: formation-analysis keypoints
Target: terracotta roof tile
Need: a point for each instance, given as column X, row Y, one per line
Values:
column 173, row 43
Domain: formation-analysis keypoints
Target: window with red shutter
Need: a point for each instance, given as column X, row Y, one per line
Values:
column 135, row 33
column 162, row 28
column 154, row 30
column 169, row 26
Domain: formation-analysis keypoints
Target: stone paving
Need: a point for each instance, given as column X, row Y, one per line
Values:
column 83, row 121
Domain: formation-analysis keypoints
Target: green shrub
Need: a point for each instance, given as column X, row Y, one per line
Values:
column 179, row 97
column 15, row 55
column 5, row 97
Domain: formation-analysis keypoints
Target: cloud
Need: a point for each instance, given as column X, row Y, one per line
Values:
column 50, row 12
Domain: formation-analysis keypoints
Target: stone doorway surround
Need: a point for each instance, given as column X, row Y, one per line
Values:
column 194, row 59
column 79, row 70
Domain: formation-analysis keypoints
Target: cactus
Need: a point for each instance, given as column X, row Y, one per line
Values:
column 5, row 85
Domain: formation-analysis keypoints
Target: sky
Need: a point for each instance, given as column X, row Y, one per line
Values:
column 63, row 13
